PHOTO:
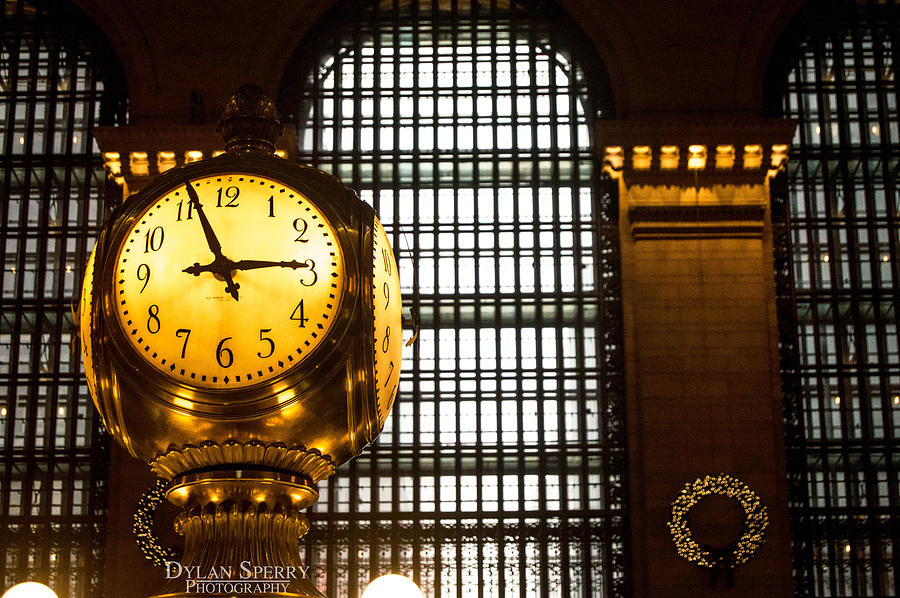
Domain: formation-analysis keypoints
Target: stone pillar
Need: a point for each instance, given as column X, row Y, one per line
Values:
column 703, row 385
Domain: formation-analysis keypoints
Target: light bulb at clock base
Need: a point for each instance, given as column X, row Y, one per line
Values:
column 392, row 586
column 29, row 589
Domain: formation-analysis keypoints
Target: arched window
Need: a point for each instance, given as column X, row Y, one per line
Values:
column 835, row 73
column 468, row 126
column 58, row 79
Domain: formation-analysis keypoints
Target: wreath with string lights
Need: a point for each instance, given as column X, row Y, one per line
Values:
column 755, row 523
column 142, row 526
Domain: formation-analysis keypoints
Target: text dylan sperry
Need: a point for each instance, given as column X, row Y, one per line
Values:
column 250, row 578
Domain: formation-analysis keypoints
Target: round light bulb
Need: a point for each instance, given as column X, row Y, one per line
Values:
column 392, row 586
column 30, row 589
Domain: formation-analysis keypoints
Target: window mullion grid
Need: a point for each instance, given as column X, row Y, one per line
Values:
column 849, row 363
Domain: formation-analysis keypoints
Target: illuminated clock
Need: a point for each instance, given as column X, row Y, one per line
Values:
column 245, row 299
column 228, row 280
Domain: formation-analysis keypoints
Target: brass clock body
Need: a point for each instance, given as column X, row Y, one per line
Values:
column 242, row 300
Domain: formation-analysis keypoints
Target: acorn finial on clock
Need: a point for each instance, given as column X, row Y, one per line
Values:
column 250, row 122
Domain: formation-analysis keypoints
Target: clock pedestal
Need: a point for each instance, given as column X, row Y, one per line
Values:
column 241, row 529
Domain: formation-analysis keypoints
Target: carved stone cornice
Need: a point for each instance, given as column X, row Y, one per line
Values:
column 688, row 151
column 135, row 154
column 307, row 462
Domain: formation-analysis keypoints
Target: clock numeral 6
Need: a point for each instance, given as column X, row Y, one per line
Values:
column 153, row 323
column 223, row 351
column 268, row 340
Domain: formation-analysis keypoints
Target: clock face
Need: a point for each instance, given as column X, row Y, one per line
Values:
column 228, row 283
column 388, row 322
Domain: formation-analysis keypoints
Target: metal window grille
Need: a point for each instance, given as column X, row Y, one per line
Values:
column 837, row 254
column 468, row 126
column 55, row 73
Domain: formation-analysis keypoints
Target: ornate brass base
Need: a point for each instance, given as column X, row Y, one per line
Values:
column 241, row 529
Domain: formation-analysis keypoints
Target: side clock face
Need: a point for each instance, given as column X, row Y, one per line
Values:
column 388, row 322
column 228, row 281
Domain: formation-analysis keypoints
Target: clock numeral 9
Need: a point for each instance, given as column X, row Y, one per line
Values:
column 153, row 323
column 145, row 276
column 387, row 294
column 153, row 240
column 222, row 350
column 231, row 194
column 268, row 340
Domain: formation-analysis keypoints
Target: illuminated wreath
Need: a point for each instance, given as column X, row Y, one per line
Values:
column 755, row 524
column 143, row 526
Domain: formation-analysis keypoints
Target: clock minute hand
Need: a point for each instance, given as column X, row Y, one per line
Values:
column 221, row 265
column 211, row 238
column 253, row 264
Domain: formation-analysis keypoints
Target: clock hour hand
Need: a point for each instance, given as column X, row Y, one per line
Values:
column 253, row 264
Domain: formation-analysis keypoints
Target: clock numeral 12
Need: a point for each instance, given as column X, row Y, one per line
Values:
column 231, row 194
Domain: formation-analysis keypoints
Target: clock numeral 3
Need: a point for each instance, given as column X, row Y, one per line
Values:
column 187, row 335
column 268, row 340
column 153, row 323
column 311, row 265
column 222, row 350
